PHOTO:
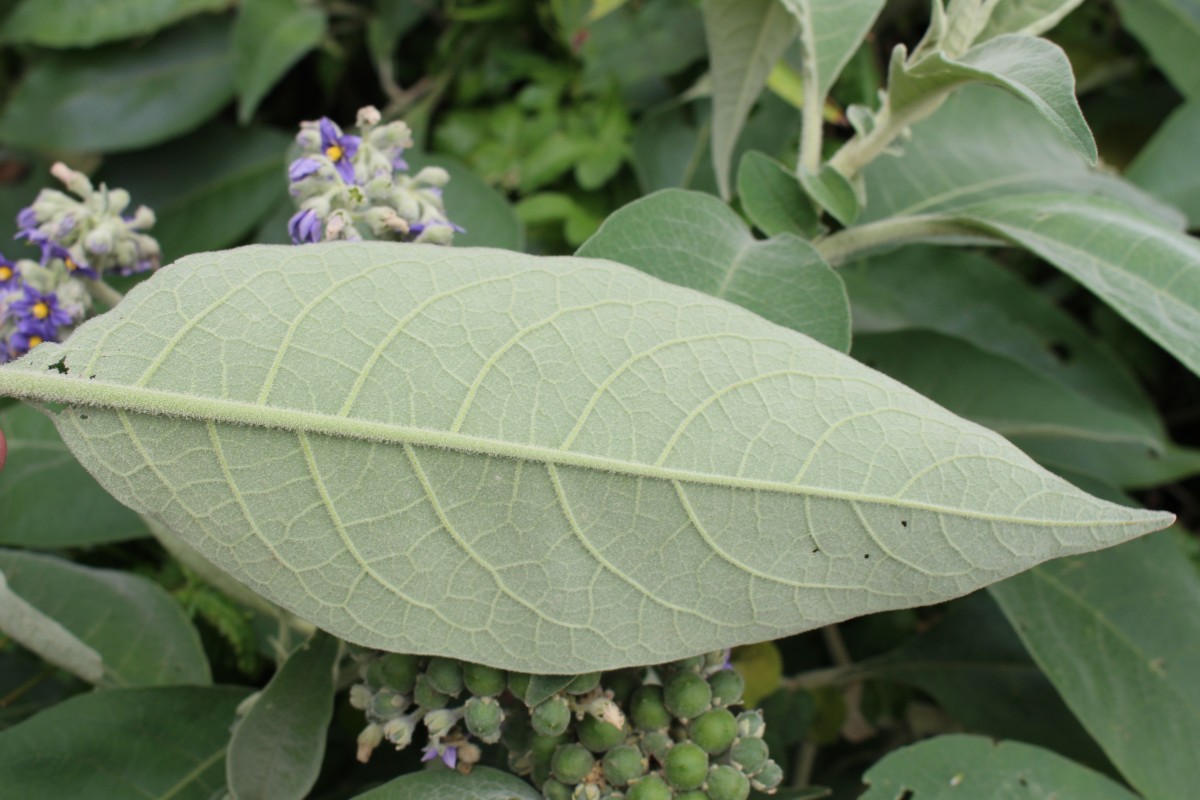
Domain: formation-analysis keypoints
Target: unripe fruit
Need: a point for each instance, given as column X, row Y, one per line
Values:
column 572, row 763
column 647, row 709
column 597, row 735
column 750, row 723
column 553, row 790
column 693, row 664
column 543, row 747
column 727, row 687
column 714, row 731
column 396, row 671
column 695, row 794
column 483, row 681
column 687, row 695
column 686, row 766
column 428, row 697
column 386, row 704
column 622, row 684
column 769, row 778
column 445, row 675
column 584, row 683
column 551, row 717
column 650, row 787
column 483, row 716
column 726, row 783
column 518, row 684
column 656, row 744
column 749, row 755
column 623, row 764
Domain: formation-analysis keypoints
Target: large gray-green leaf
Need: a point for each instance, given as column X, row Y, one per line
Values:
column 484, row 783
column 1145, row 270
column 277, row 748
column 123, row 97
column 954, row 766
column 772, row 198
column 156, row 743
column 745, row 40
column 695, row 240
column 830, row 32
column 1116, row 633
column 139, row 631
column 1027, row 408
column 543, row 464
column 209, row 189
column 984, row 144
column 1030, row 17
column 85, row 23
column 1035, row 70
column 268, row 38
column 40, row 472
column 1170, row 31
column 1169, row 165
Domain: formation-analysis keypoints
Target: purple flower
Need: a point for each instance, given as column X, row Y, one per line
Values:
column 21, row 343
column 448, row 754
column 339, row 148
column 301, row 168
column 27, row 218
column 39, row 314
column 52, row 250
column 10, row 279
column 305, row 227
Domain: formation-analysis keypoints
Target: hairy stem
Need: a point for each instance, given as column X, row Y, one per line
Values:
column 812, row 120
column 885, row 234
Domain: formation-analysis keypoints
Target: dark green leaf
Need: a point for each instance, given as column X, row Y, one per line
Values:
column 484, row 783
column 142, row 635
column 155, row 743
column 695, row 240
column 772, row 198
column 277, row 748
column 830, row 190
column 123, row 97
column 542, row 687
column 30, row 685
column 1167, row 166
column 957, row 766
column 41, row 471
column 268, row 38
column 85, row 23
column 1116, row 633
column 1170, row 30
column 209, row 190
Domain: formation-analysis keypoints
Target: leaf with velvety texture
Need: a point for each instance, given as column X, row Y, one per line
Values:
column 551, row 465
column 1028, row 17
column 1170, row 31
column 831, row 31
column 1167, row 166
column 85, row 23
column 484, row 783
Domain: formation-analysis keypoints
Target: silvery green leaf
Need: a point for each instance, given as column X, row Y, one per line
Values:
column 830, row 32
column 773, row 199
column 484, row 783
column 745, row 40
column 1166, row 166
column 551, row 465
column 1028, row 17
column 1170, row 31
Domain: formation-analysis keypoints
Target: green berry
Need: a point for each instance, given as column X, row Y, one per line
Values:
column 749, row 755
column 445, row 675
column 483, row 681
column 597, row 735
column 647, row 709
column 714, row 731
column 624, row 763
column 483, row 716
column 572, row 763
column 584, row 683
column 693, row 664
column 518, row 684
column 553, row 790
column 650, row 787
column 727, row 687
column 551, row 717
column 726, row 783
column 687, row 695
column 695, row 794
column 428, row 697
column 386, row 704
column 751, row 724
column 396, row 671
column 622, row 684
column 686, row 766
column 543, row 747
column 769, row 777
column 655, row 745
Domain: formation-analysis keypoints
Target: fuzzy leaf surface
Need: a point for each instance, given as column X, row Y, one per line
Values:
column 1170, row 31
column 550, row 465
column 1028, row 17
column 85, row 23
column 484, row 783
column 830, row 31
column 1166, row 166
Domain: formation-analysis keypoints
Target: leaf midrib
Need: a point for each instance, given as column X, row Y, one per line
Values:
column 158, row 402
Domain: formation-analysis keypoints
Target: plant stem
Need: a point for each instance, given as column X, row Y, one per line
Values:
column 101, row 292
column 811, row 119
column 885, row 234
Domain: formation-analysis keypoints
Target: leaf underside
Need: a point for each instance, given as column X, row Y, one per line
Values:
column 553, row 465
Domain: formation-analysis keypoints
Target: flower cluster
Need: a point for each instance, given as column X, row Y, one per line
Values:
column 670, row 732
column 357, row 187
column 80, row 240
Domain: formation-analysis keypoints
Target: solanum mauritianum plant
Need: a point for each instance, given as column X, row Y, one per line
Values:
column 543, row 516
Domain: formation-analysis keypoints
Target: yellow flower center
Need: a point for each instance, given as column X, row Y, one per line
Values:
column 71, row 265
column 334, row 152
column 5, row 273
column 34, row 341
column 41, row 310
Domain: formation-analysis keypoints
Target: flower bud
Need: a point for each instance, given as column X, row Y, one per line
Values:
column 360, row 696
column 370, row 738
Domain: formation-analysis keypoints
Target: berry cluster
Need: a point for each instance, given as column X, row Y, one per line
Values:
column 671, row 732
